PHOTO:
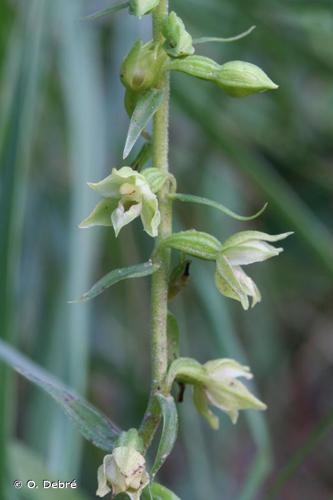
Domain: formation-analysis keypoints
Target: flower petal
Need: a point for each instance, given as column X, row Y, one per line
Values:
column 109, row 187
column 121, row 218
column 113, row 474
column 228, row 283
column 150, row 215
column 232, row 396
column 244, row 236
column 101, row 215
column 221, row 369
column 249, row 252
column 201, row 403
column 103, row 488
column 249, row 286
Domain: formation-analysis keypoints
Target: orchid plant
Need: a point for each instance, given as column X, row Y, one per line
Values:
column 146, row 188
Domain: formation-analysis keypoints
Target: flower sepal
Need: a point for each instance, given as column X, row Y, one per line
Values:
column 178, row 42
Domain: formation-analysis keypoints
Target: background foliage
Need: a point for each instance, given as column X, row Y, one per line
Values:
column 62, row 123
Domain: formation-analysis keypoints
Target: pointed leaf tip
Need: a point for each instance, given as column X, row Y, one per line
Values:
column 146, row 107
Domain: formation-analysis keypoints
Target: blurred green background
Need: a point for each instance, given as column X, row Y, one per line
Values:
column 62, row 123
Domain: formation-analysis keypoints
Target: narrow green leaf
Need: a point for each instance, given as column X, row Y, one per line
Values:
column 92, row 424
column 190, row 198
column 192, row 242
column 108, row 11
column 169, row 431
column 113, row 277
column 156, row 491
column 209, row 39
column 26, row 465
column 147, row 105
column 173, row 337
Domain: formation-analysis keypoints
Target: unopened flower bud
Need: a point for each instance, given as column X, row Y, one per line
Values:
column 238, row 79
column 141, row 7
column 143, row 66
column 178, row 42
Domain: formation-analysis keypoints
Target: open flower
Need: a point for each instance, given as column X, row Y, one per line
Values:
column 222, row 390
column 242, row 249
column 127, row 195
column 124, row 471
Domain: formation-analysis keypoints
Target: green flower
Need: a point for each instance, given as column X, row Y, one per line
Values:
column 127, row 195
column 242, row 249
column 222, row 390
column 215, row 383
column 178, row 42
column 124, row 471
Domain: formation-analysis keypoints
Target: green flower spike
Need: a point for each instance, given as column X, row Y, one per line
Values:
column 178, row 42
column 127, row 195
column 224, row 391
column 242, row 249
column 124, row 471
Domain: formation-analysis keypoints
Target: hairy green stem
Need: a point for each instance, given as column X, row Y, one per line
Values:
column 159, row 291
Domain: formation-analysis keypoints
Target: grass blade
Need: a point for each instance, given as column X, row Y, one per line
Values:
column 289, row 470
column 18, row 127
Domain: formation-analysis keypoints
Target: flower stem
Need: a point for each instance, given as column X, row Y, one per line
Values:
column 159, row 291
